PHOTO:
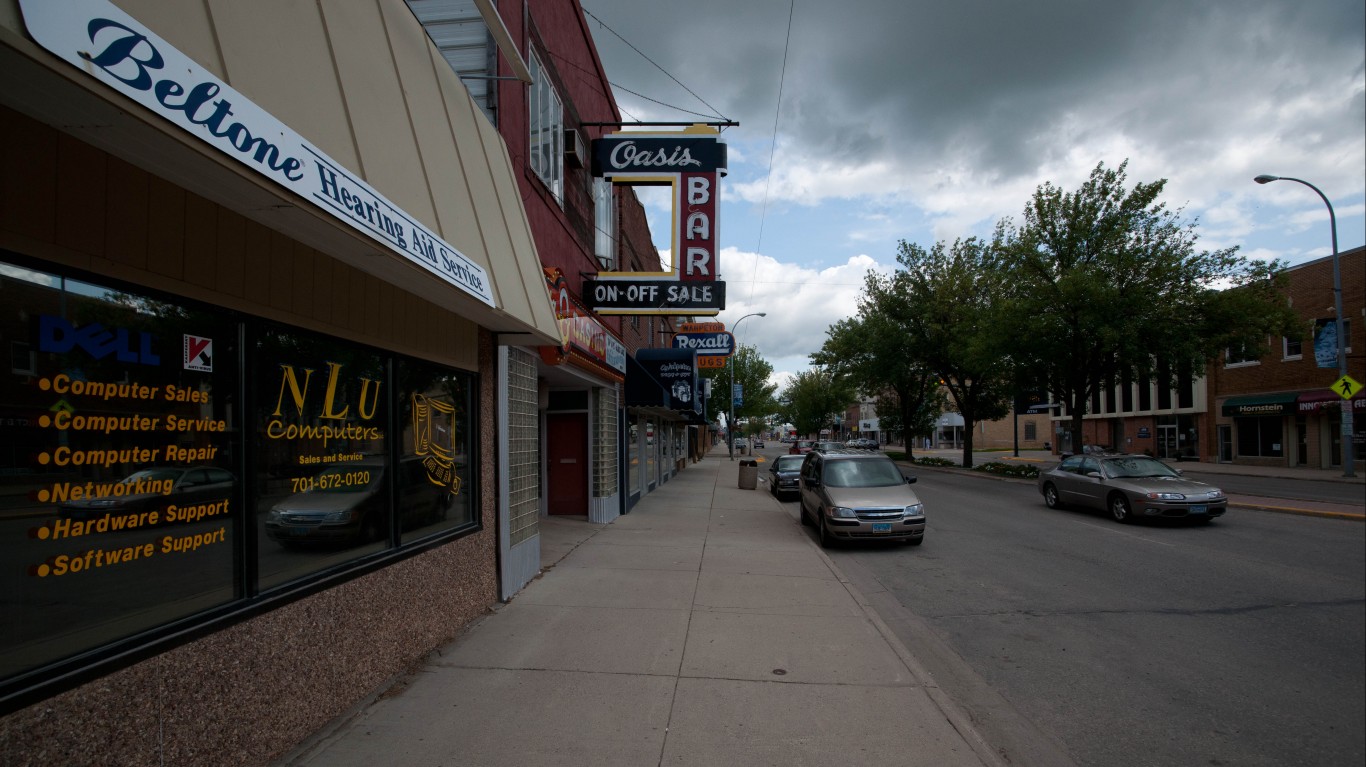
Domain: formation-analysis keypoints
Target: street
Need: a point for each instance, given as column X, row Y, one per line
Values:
column 1067, row 635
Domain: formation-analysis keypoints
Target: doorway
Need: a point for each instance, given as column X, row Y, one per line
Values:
column 1166, row 441
column 566, row 457
column 1225, row 443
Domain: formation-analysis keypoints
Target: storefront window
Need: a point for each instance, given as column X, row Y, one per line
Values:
column 1260, row 436
column 322, row 468
column 651, row 454
column 131, row 469
column 633, row 459
column 119, row 496
column 436, row 471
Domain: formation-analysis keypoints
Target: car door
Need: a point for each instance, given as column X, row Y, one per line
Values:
column 1090, row 490
column 1066, row 479
column 810, row 478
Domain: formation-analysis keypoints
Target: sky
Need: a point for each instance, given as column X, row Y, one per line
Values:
column 880, row 121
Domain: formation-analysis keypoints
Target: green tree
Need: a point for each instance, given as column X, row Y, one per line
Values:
column 1107, row 286
column 751, row 373
column 878, row 357
column 947, row 300
column 813, row 397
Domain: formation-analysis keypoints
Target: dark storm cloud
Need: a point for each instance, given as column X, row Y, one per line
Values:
column 1004, row 88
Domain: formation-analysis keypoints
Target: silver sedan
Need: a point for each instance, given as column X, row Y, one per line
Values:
column 1129, row 486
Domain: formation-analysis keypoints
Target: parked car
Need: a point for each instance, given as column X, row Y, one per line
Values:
column 155, row 488
column 758, row 442
column 348, row 503
column 801, row 447
column 1129, row 486
column 853, row 496
column 828, row 446
column 862, row 443
column 783, row 475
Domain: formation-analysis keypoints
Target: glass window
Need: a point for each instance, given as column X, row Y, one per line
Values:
column 1243, row 354
column 436, row 478
column 1291, row 348
column 633, row 459
column 605, row 223
column 1260, row 436
column 547, row 128
column 322, row 467
column 119, row 441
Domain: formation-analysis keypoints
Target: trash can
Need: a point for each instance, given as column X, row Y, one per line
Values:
column 749, row 475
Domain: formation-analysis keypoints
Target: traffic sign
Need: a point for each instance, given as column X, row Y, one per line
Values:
column 1346, row 387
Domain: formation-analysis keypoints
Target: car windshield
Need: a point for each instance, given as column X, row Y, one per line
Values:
column 862, row 474
column 789, row 463
column 1136, row 466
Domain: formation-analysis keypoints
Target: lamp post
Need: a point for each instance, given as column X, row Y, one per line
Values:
column 730, row 420
column 1348, row 459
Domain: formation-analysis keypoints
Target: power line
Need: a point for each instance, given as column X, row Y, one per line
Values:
column 773, row 145
column 662, row 69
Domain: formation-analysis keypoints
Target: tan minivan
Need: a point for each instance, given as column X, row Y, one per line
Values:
column 859, row 496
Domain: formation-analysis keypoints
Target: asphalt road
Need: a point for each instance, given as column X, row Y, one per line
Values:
column 1072, row 639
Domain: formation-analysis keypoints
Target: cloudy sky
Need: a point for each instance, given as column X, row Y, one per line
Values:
column 917, row 121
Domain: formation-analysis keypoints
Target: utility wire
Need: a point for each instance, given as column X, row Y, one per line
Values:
column 773, row 146
column 662, row 69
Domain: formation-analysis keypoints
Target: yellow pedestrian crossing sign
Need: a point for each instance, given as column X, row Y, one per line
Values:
column 1346, row 387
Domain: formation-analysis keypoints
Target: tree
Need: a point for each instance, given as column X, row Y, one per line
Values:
column 947, row 299
column 813, row 397
column 1107, row 286
column 751, row 374
column 878, row 357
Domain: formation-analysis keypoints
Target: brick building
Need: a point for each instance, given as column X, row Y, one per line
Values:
column 1274, row 408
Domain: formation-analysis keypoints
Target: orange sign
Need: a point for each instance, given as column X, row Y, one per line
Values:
column 710, row 361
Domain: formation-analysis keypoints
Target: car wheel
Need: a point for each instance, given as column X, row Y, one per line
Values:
column 1050, row 497
column 1119, row 509
column 827, row 540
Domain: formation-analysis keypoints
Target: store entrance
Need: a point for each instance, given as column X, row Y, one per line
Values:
column 566, row 457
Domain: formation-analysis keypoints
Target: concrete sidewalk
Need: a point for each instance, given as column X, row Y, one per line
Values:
column 705, row 627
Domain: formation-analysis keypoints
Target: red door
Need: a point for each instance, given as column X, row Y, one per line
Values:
column 567, row 463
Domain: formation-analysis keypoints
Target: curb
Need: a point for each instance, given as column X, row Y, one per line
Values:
column 1347, row 515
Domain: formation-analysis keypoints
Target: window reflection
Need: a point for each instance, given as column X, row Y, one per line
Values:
column 322, row 476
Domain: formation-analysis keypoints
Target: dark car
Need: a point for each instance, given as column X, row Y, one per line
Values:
column 1129, row 486
column 156, row 488
column 783, row 475
column 859, row 496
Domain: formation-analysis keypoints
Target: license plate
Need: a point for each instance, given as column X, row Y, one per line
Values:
column 1199, row 510
column 882, row 527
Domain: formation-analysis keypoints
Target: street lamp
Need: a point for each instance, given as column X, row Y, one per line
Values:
column 1348, row 468
column 730, row 422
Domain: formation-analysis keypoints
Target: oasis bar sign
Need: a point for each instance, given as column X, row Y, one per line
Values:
column 690, row 162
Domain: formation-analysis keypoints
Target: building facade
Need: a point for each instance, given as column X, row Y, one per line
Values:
column 1273, row 406
column 263, row 265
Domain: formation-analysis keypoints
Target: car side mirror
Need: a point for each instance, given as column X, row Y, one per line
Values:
column 910, row 480
column 1095, row 474
column 812, row 482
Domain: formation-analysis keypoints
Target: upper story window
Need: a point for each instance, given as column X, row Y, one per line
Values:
column 1242, row 354
column 546, row 113
column 1291, row 348
column 605, row 223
